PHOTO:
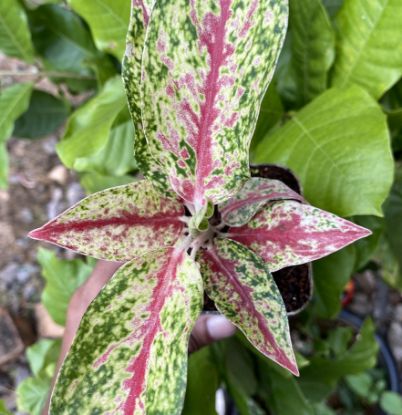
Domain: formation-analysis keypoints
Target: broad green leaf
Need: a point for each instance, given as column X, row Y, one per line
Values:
column 15, row 39
column 36, row 3
column 388, row 252
column 391, row 403
column 336, row 144
column 282, row 395
column 14, row 101
column 45, row 114
column 132, row 74
column 321, row 408
column 255, row 193
column 95, row 182
column 240, row 377
column 108, row 21
column 3, row 165
column 313, row 47
column 65, row 44
column 284, row 78
column 330, row 277
column 332, row 6
column 369, row 46
column 361, row 384
column 393, row 216
column 62, row 277
column 3, row 408
column 242, row 289
column 202, row 384
column 365, row 248
column 89, row 127
column 116, row 157
column 32, row 394
column 271, row 112
column 287, row 233
column 42, row 354
column 361, row 356
column 130, row 352
column 206, row 67
column 117, row 224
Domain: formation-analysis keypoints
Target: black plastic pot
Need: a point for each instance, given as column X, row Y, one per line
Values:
column 295, row 283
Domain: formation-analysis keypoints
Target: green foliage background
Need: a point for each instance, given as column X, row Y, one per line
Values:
column 333, row 114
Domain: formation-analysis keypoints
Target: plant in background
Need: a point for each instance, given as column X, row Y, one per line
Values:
column 195, row 75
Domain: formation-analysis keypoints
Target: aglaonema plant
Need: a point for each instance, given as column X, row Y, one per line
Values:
column 195, row 74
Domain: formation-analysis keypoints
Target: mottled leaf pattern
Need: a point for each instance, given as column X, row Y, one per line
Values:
column 242, row 288
column 130, row 352
column 206, row 67
column 289, row 233
column 140, row 15
column 255, row 193
column 117, row 224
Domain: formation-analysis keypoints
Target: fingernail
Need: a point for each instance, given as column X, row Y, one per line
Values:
column 219, row 327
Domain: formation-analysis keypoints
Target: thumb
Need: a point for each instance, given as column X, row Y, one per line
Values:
column 210, row 328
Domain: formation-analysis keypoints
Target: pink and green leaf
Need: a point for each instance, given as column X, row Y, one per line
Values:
column 140, row 15
column 117, row 224
column 206, row 67
column 130, row 353
column 242, row 289
column 287, row 233
column 255, row 193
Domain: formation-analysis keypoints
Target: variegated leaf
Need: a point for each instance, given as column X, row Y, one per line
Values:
column 239, row 283
column 140, row 15
column 117, row 224
column 255, row 193
column 130, row 352
column 206, row 67
column 289, row 233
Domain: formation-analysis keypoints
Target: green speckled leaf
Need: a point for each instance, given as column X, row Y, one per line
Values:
column 117, row 224
column 140, row 15
column 287, row 233
column 130, row 352
column 239, row 283
column 206, row 67
column 255, row 193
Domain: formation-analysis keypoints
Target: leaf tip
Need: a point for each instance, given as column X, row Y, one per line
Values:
column 361, row 232
column 294, row 370
column 40, row 234
column 289, row 364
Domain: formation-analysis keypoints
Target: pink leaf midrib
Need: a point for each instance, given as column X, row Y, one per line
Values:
column 244, row 293
column 145, row 14
column 208, row 113
column 165, row 284
column 128, row 219
column 280, row 234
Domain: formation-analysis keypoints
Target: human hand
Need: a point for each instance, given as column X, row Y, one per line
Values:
column 207, row 329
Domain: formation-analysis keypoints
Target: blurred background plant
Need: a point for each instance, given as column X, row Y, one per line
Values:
column 333, row 114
